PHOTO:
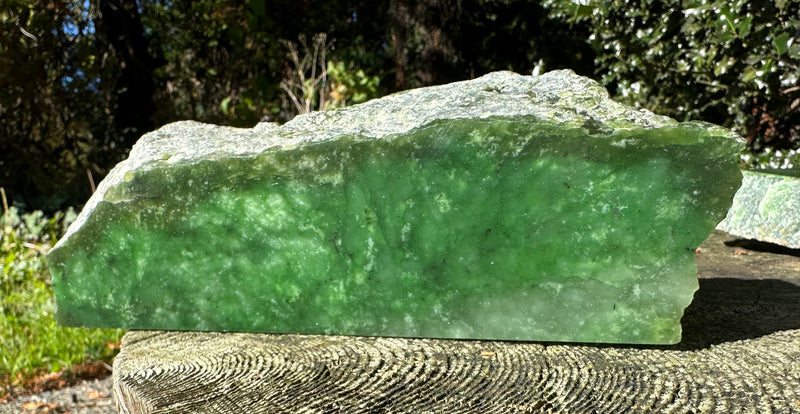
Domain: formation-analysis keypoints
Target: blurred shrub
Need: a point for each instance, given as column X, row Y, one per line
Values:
column 773, row 158
column 349, row 85
column 80, row 81
column 314, row 83
column 220, row 63
column 734, row 63
column 31, row 342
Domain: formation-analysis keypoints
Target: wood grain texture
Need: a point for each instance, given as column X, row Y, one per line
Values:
column 740, row 353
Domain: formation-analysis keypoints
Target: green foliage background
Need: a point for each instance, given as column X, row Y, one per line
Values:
column 733, row 63
column 81, row 80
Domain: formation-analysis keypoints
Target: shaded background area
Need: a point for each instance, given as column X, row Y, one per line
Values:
column 82, row 80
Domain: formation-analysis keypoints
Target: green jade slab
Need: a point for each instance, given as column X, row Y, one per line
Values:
column 508, row 207
column 767, row 208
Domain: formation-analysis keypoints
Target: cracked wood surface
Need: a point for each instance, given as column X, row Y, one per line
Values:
column 740, row 353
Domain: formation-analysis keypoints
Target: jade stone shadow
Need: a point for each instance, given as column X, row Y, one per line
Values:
column 506, row 207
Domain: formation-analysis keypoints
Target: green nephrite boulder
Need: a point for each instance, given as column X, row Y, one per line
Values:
column 507, row 207
column 767, row 208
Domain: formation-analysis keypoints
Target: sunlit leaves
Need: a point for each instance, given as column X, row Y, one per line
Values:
column 781, row 43
column 734, row 63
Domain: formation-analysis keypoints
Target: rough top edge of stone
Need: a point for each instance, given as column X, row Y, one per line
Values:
column 560, row 96
column 554, row 95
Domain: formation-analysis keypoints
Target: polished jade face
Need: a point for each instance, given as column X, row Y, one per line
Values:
column 513, row 228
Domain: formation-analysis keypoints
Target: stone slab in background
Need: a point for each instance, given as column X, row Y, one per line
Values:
column 767, row 208
column 506, row 207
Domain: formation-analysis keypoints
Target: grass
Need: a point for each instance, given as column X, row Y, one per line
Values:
column 32, row 344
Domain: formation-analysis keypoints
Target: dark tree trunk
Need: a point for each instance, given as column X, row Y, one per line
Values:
column 399, row 24
column 119, row 30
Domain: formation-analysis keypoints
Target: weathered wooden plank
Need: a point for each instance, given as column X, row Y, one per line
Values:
column 740, row 353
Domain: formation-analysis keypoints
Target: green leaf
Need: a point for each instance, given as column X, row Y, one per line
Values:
column 723, row 67
column 749, row 74
column 744, row 25
column 781, row 43
column 767, row 68
column 725, row 36
column 225, row 104
column 583, row 10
